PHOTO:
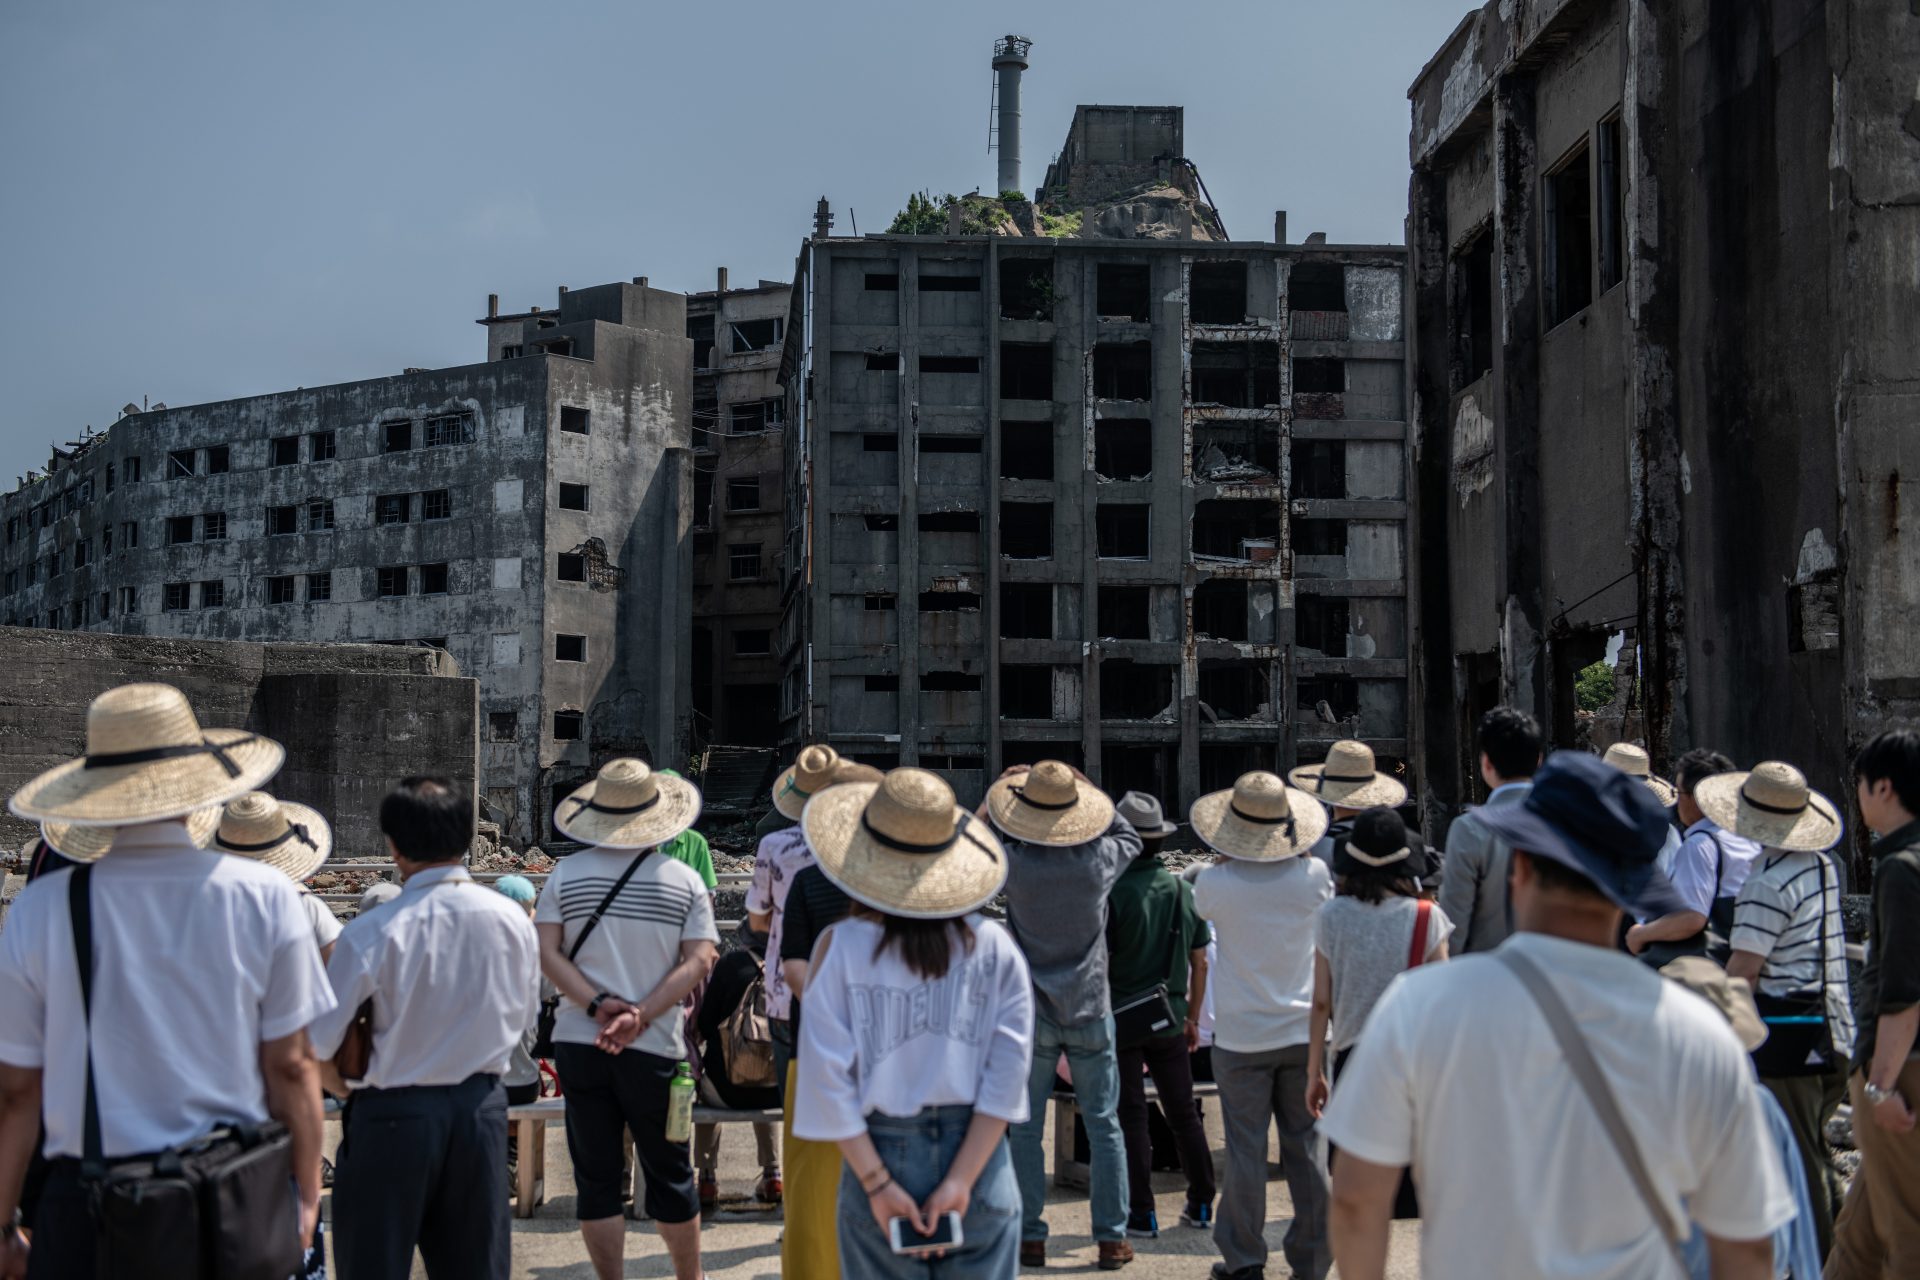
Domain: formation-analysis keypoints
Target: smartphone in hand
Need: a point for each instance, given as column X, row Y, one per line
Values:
column 911, row 1244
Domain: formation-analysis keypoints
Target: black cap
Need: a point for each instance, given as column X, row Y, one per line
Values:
column 1378, row 840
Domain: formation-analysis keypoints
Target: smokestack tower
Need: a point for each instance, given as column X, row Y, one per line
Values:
column 1009, row 60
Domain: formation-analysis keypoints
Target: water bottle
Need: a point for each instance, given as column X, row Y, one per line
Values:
column 680, row 1105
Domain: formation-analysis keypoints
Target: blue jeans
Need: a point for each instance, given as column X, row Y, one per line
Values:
column 918, row 1151
column 1096, row 1090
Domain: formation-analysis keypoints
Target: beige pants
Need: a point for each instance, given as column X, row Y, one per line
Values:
column 1877, row 1235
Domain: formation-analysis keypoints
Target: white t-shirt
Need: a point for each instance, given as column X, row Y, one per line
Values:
column 1262, row 915
column 1459, row 1076
column 199, row 958
column 326, row 925
column 1367, row 946
column 637, row 941
column 1789, row 915
column 880, row 1037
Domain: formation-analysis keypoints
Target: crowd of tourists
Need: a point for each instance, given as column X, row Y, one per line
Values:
column 1600, row 1031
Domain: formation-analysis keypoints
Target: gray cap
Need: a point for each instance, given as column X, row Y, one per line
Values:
column 376, row 893
column 1142, row 813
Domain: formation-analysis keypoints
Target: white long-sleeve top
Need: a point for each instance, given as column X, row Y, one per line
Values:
column 879, row 1037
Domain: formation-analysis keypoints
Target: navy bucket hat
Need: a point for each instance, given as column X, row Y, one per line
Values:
column 1591, row 818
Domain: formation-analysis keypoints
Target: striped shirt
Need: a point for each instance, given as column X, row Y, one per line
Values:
column 1789, row 914
column 638, row 939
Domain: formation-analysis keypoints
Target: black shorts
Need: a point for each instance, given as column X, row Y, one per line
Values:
column 608, row 1092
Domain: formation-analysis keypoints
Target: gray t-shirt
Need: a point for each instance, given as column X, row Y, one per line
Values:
column 1366, row 945
column 1057, row 911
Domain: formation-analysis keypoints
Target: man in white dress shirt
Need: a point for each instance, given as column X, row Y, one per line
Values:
column 452, row 970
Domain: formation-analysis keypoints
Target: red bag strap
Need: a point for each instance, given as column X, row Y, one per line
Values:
column 1417, row 954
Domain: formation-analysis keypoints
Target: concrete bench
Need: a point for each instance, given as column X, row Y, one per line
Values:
column 1069, row 1172
column 529, row 1122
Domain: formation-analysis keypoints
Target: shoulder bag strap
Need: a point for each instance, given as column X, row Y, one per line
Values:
column 1422, row 921
column 586, row 930
column 1593, row 1082
column 93, row 1163
column 1719, row 867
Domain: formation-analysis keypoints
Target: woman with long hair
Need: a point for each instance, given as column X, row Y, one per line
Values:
column 914, row 1051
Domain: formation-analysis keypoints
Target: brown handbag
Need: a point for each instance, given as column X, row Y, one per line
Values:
column 355, row 1055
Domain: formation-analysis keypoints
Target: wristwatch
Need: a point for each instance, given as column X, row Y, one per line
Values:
column 1876, row 1095
column 593, row 1005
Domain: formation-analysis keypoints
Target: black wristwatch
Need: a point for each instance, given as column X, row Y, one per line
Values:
column 593, row 1005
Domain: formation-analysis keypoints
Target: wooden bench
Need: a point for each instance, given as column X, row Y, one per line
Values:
column 529, row 1122
column 1069, row 1172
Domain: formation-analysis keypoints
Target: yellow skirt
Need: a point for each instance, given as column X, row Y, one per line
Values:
column 811, row 1171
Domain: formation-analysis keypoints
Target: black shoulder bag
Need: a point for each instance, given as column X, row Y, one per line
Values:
column 223, row 1208
column 550, row 1006
column 1799, row 1039
column 1139, row 1018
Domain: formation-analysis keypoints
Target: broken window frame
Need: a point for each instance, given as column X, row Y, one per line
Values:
column 744, row 561
column 281, row 589
column 446, row 429
column 436, row 504
column 213, row 593
column 322, row 446
column 569, row 725
column 743, row 493
column 391, row 508
column 740, row 343
column 213, row 526
column 392, row 581
column 320, row 587
column 396, row 435
column 219, row 459
column 1611, row 232
column 1567, row 235
column 319, row 515
column 179, row 463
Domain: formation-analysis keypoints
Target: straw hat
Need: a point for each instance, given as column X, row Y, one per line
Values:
column 1261, row 819
column 1632, row 761
column 1733, row 997
column 808, row 774
column 1349, row 779
column 902, row 846
column 1049, row 805
column 1773, row 805
column 87, row 844
column 286, row 836
column 628, row 806
column 147, row 759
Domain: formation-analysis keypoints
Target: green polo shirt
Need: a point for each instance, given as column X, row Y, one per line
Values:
column 691, row 848
column 1151, row 929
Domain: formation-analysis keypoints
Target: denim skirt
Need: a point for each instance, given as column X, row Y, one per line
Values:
column 918, row 1151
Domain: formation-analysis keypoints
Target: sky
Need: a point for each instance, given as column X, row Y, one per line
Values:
column 207, row 200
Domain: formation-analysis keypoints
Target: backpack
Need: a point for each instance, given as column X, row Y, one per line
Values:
column 746, row 1040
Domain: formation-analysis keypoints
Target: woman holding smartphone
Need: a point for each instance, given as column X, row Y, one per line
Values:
column 913, row 1055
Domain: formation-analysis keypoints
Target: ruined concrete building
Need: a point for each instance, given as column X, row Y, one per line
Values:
column 528, row 515
column 1664, row 264
column 739, row 415
column 1133, row 499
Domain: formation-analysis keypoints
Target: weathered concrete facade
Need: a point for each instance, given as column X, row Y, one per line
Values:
column 739, row 417
column 1137, row 504
column 1665, row 265
column 529, row 515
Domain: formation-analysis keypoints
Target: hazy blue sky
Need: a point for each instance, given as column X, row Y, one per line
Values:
column 201, row 201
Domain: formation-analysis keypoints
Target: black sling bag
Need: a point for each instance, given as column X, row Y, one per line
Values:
column 222, row 1208
column 550, row 1006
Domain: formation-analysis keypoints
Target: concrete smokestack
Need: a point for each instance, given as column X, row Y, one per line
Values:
column 1009, row 60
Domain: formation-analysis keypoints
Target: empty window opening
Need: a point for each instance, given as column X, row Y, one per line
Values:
column 571, row 567
column 1121, row 530
column 1123, row 448
column 950, row 522
column 176, row 596
column 280, row 520
column 1229, row 529
column 179, row 463
column 756, row 335
column 213, row 594
column 949, row 602
column 880, row 602
column 700, row 329
column 574, row 420
column 109, row 490
column 1329, row 703
column 1126, row 613
column 883, row 362
column 557, row 347
column 396, row 437
column 1026, row 610
column 949, row 364
column 753, row 642
column 568, row 648
column 1026, row 530
column 702, row 499
column 1218, row 293
column 1321, row 624
column 874, row 442
column 319, row 515
column 133, row 470
column 949, row 444
column 1026, row 692
column 1236, row 452
column 391, row 580
column 1238, row 375
column 433, row 581
column 743, row 561
column 83, row 548
column 503, row 726
column 1123, row 370
column 1612, row 205
column 948, row 284
column 1135, row 690
column 568, row 726
column 756, row 416
column 280, row 590
column 1222, row 763
column 743, row 495
column 213, row 528
column 881, row 684
column 179, row 530
column 1026, row 371
column 1569, row 228
column 1026, row 451
column 219, row 460
column 883, row 281
column 436, row 504
column 1122, row 290
column 1234, row 691
column 319, row 587
column 882, row 524
column 949, row 682
column 1319, row 469
column 322, row 447
column 392, row 508
column 1318, row 537
column 286, row 451
column 512, row 351
column 1017, row 752
column 1220, row 609
column 106, row 541
column 1317, row 286
column 1319, row 389
column 1026, row 289
column 573, row 497
column 1473, row 294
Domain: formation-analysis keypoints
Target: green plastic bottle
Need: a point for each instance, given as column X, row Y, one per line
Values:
column 680, row 1105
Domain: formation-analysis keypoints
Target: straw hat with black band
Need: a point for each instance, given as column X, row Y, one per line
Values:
column 1348, row 778
column 628, row 806
column 283, row 835
column 903, row 846
column 1772, row 805
column 1049, row 805
column 87, row 844
column 1261, row 819
column 811, row 771
column 1380, row 841
column 1633, row 762
column 147, row 760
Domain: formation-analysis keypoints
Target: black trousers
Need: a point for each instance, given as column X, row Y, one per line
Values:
column 425, row 1166
column 1166, row 1060
column 63, row 1239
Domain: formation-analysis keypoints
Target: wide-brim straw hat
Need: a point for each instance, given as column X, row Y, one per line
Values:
column 1048, row 805
column 628, row 806
column 1772, row 805
column 88, row 844
column 1260, row 819
column 1733, row 997
column 1348, row 779
column 903, row 846
column 1633, row 762
column 810, row 772
column 148, row 759
column 280, row 834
